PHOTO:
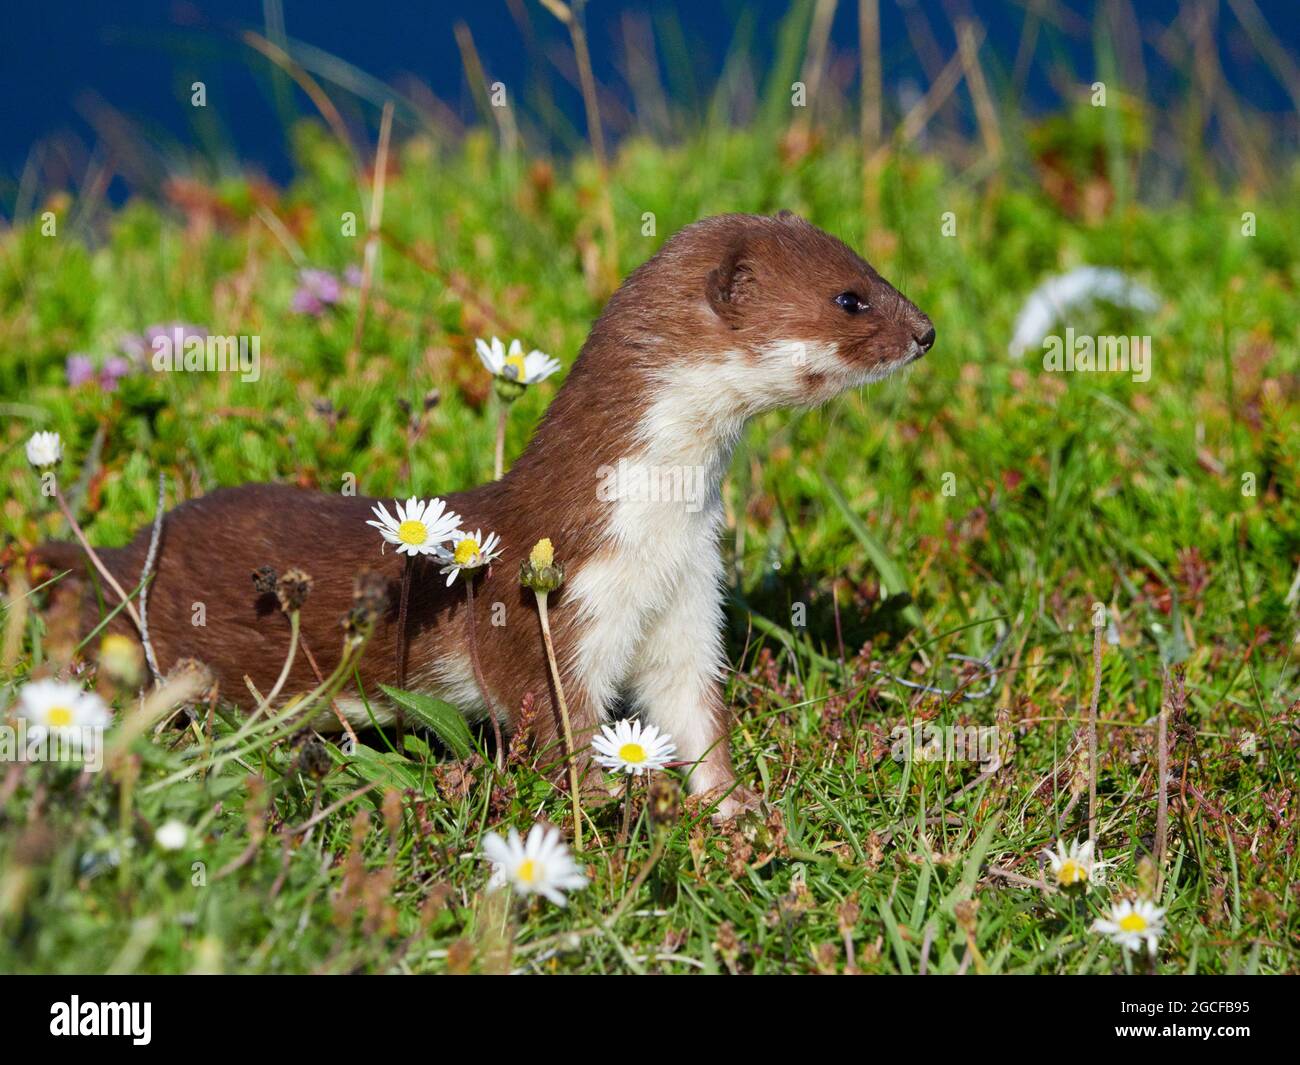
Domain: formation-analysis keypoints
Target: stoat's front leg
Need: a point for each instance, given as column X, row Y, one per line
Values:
column 676, row 684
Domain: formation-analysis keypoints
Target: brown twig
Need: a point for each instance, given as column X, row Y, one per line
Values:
column 150, row 559
column 571, row 15
column 373, row 224
column 95, row 559
column 307, row 83
column 478, row 672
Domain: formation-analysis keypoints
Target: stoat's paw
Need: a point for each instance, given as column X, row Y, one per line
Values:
column 739, row 801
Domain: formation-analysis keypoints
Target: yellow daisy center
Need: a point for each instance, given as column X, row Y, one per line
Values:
column 466, row 551
column 1071, row 872
column 413, row 532
column 1133, row 922
column 59, row 716
column 542, row 554
column 513, row 367
column 528, row 871
column 632, row 752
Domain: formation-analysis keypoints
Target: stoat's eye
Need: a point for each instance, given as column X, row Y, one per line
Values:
column 851, row 302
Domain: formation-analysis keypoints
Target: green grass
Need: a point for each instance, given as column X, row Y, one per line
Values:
column 1066, row 490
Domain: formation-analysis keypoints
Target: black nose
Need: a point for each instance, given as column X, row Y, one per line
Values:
column 926, row 339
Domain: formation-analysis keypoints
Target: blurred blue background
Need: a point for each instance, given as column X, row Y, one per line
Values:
column 83, row 79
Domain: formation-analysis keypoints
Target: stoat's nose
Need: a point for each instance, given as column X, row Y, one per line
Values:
column 925, row 339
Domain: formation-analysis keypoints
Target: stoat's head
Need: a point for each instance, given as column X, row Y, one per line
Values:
column 780, row 311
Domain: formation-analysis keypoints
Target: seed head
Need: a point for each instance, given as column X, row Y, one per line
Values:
column 370, row 593
column 292, row 590
column 264, row 578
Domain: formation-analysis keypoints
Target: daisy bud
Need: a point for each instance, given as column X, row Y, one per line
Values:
column 44, row 449
column 540, row 571
column 171, row 835
column 966, row 911
column 120, row 658
column 292, row 590
column 1146, row 877
column 264, row 578
column 314, row 761
column 358, row 623
column 662, row 801
column 207, row 680
column 370, row 592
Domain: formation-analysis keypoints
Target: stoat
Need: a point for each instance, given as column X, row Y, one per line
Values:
column 735, row 315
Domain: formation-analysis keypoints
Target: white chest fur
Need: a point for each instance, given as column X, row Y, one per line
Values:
column 652, row 594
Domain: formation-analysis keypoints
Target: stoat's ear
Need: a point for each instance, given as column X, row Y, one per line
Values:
column 731, row 284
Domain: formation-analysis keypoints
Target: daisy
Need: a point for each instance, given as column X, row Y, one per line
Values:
column 514, row 365
column 418, row 528
column 628, row 747
column 1076, row 867
column 468, row 553
column 171, row 835
column 541, row 865
column 44, row 449
column 1129, row 923
column 55, row 705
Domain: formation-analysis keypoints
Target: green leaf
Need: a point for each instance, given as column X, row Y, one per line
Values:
column 443, row 718
column 381, row 767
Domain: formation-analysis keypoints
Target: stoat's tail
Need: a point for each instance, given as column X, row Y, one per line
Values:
column 61, row 557
column 73, row 576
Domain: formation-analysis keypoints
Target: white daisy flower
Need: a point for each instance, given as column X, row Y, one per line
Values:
column 44, row 449
column 542, row 865
column 55, row 705
column 171, row 835
column 418, row 528
column 468, row 553
column 514, row 365
column 626, row 746
column 1131, row 923
column 1076, row 867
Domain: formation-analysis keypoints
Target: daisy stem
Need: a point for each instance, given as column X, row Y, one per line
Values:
column 627, row 809
column 94, row 558
column 478, row 671
column 404, row 599
column 503, row 411
column 564, row 718
column 294, row 628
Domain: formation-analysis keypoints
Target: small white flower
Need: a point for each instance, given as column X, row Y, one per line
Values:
column 542, row 865
column 514, row 365
column 171, row 835
column 418, row 528
column 1077, row 866
column 468, row 553
column 628, row 747
column 44, row 449
column 1131, row 923
column 55, row 705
